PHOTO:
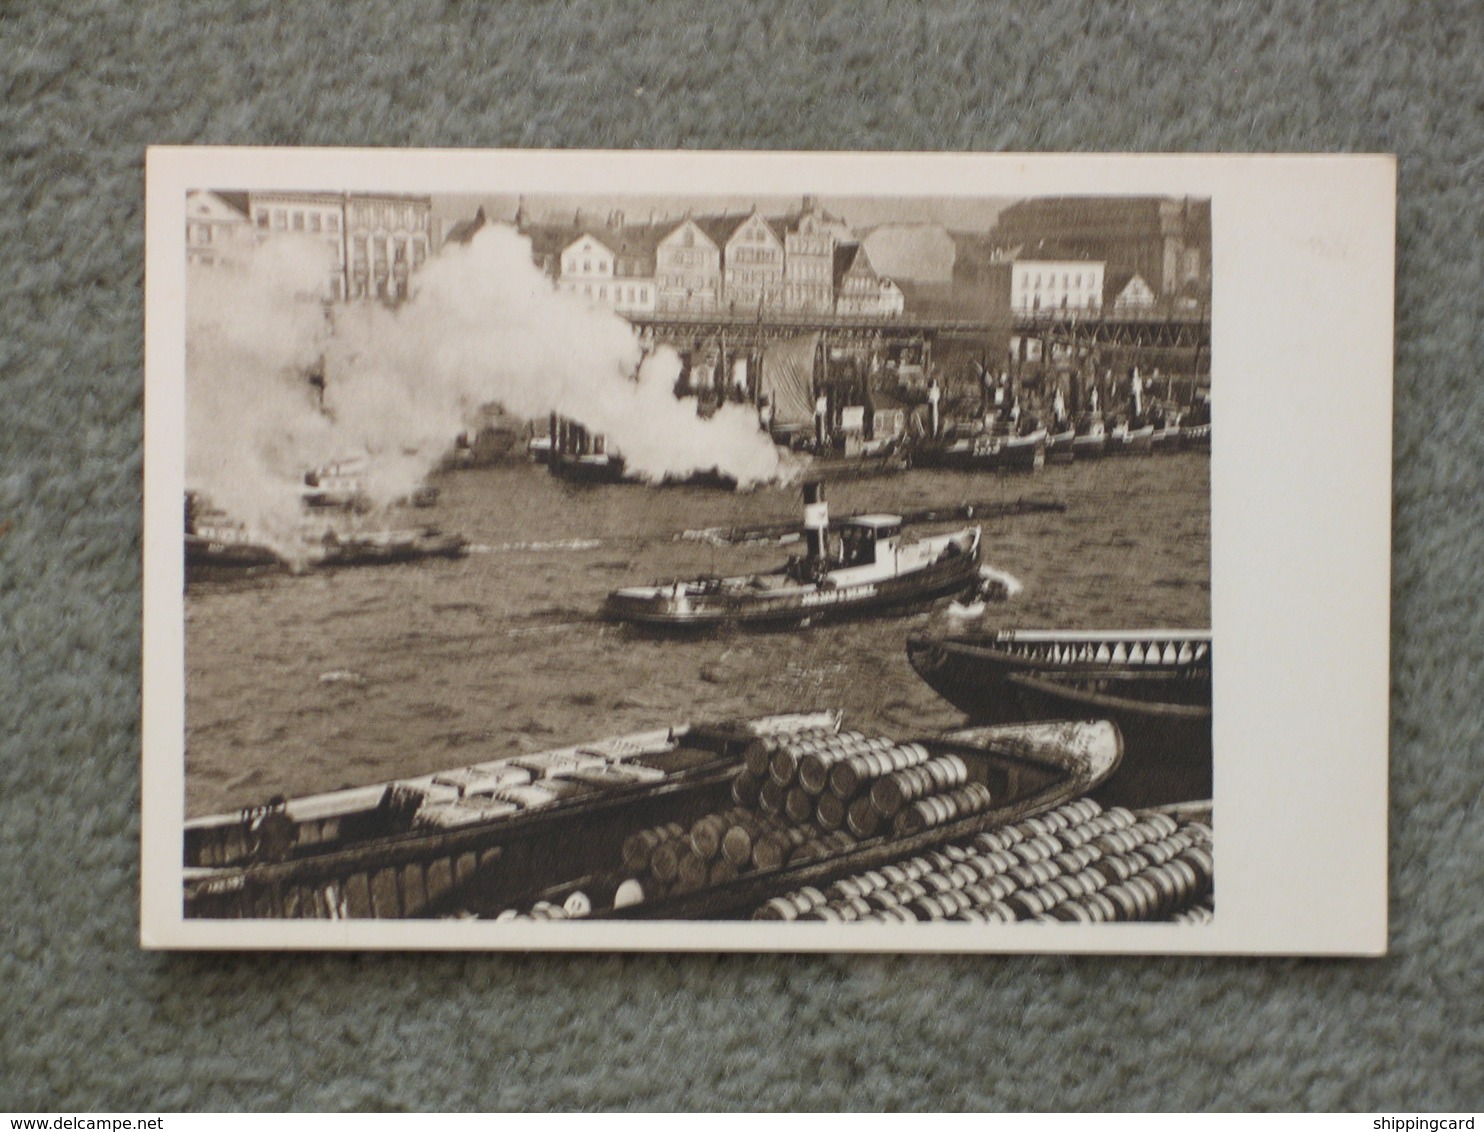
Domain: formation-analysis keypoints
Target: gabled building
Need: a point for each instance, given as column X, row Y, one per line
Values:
column 752, row 265
column 219, row 231
column 1126, row 291
column 687, row 269
column 613, row 266
column 859, row 290
column 809, row 238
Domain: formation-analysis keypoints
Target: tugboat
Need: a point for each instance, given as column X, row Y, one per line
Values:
column 875, row 569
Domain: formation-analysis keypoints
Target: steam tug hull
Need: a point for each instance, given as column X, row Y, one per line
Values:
column 771, row 599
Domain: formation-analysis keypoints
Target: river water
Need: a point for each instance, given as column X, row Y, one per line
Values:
column 299, row 684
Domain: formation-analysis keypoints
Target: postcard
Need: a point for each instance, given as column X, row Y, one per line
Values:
column 767, row 551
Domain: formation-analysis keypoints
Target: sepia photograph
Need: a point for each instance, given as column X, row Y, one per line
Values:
column 696, row 551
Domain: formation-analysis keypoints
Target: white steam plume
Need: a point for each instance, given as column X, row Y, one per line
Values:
column 483, row 325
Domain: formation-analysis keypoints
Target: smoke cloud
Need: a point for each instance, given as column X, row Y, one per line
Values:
column 483, row 325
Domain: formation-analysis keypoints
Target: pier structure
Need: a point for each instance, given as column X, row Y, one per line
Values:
column 1155, row 332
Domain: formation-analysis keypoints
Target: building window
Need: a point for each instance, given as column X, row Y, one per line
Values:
column 314, row 222
column 280, row 219
column 263, row 219
column 298, row 221
column 332, row 223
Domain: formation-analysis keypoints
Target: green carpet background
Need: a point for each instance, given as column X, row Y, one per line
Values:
column 89, row 1022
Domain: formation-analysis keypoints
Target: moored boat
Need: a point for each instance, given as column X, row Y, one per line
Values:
column 850, row 805
column 489, row 833
column 1196, row 437
column 1126, row 440
column 1166, row 437
column 213, row 541
column 1061, row 446
column 1091, row 438
column 984, row 452
column 1156, row 685
column 876, row 568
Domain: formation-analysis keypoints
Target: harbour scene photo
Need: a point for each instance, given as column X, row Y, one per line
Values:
column 734, row 557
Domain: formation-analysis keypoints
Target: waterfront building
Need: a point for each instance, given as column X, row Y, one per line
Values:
column 387, row 237
column 219, row 231
column 1056, row 285
column 752, row 266
column 1126, row 292
column 1164, row 240
column 612, row 267
column 687, row 269
column 859, row 290
column 809, row 238
column 310, row 216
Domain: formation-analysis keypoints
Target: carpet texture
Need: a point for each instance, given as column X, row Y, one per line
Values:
column 91, row 1022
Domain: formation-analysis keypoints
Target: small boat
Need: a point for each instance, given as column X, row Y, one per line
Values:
column 1125, row 440
column 380, row 548
column 341, row 486
column 213, row 541
column 1091, row 439
column 1166, row 437
column 876, row 568
column 1061, row 446
column 588, row 467
column 971, row 780
column 492, row 833
column 1156, row 685
column 984, row 452
column 336, row 486
column 211, row 551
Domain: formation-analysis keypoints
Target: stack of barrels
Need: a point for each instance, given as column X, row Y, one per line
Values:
column 801, row 797
column 721, row 847
column 862, row 785
column 1077, row 863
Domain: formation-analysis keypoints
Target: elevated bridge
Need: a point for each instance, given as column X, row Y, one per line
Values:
column 1152, row 329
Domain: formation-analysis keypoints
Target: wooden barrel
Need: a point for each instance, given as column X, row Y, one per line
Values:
column 829, row 812
column 850, row 776
column 692, row 871
column 745, row 789
column 637, row 849
column 891, row 793
column 706, row 834
column 820, row 846
column 798, row 804
column 941, row 809
column 773, row 849
column 862, row 817
column 771, row 797
column 664, row 862
column 737, row 842
column 722, row 871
